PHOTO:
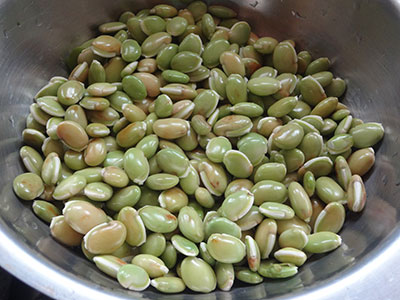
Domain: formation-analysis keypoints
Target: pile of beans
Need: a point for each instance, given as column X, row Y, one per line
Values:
column 184, row 151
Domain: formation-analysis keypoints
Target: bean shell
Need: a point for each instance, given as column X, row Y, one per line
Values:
column 273, row 270
column 331, row 218
column 236, row 205
column 275, row 210
column 265, row 237
column 162, row 181
column 136, row 165
column 127, row 196
column 237, row 164
column 96, row 152
column 50, row 106
column 291, row 255
column 170, row 128
column 155, row 244
column 343, row 172
column 190, row 224
column 367, row 134
column 62, row 232
column 311, row 90
column 154, row 266
column 356, row 195
column 232, row 63
column 133, row 277
column 226, row 248
column 69, row 187
column 248, row 276
column 82, row 216
column 207, row 25
column 251, row 219
column 169, row 256
column 265, row 45
column 153, row 44
column 168, row 284
column 173, row 199
column 158, row 219
column 131, row 134
column 164, row 10
column 225, row 275
column 322, row 242
column 105, row 238
column 134, row 87
column 361, row 161
column 285, row 58
column 288, row 136
column 212, row 52
column 221, row 225
column 318, row 65
column 233, row 126
column 184, row 245
column 73, row 135
column 328, row 190
column 269, row 191
column 98, row 191
column 270, row 171
column 213, row 177
column 263, row 86
column 186, row 62
column 300, row 201
column 205, row 281
column 70, row 92
column 109, row 264
column 172, row 162
column 294, row 238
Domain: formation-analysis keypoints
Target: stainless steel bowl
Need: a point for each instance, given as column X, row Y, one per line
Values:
column 362, row 39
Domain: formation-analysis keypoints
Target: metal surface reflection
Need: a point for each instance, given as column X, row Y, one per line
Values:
column 359, row 37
